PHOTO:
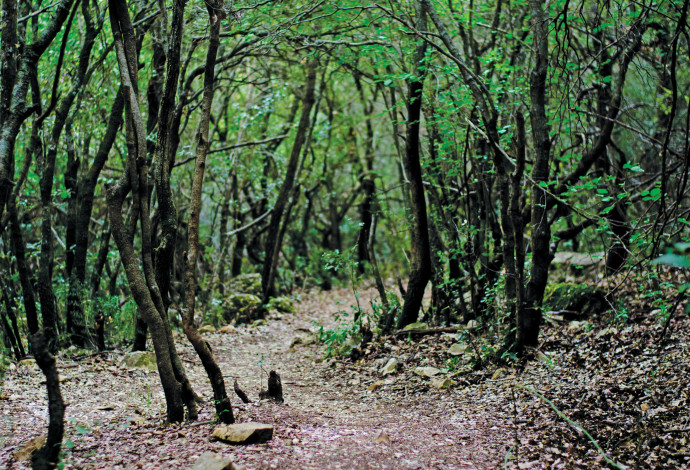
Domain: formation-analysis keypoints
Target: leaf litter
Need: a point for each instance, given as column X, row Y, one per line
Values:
column 613, row 380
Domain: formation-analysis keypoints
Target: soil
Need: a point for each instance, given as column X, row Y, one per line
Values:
column 343, row 414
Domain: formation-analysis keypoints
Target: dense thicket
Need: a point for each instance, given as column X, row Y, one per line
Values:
column 149, row 152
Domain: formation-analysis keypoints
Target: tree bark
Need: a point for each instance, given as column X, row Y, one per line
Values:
column 134, row 179
column 48, row 456
column 420, row 270
column 274, row 240
column 202, row 348
column 529, row 314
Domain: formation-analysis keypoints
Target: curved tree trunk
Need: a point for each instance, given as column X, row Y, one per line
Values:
column 220, row 396
column 420, row 271
column 274, row 240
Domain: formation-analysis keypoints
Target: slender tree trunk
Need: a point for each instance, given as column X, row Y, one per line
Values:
column 220, row 396
column 420, row 271
column 529, row 315
column 48, row 456
column 274, row 240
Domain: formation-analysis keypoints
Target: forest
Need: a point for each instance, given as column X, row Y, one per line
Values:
column 340, row 234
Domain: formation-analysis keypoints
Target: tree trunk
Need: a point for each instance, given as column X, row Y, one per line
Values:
column 134, row 179
column 48, row 456
column 529, row 314
column 420, row 270
column 202, row 348
column 274, row 240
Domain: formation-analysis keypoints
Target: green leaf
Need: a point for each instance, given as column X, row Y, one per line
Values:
column 671, row 259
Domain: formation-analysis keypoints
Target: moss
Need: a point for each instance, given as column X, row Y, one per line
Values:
column 245, row 284
column 575, row 301
column 240, row 307
column 282, row 305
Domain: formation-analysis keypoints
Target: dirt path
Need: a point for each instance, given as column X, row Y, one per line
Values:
column 330, row 419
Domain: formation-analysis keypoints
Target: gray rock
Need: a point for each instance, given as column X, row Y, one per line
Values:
column 244, row 433
column 391, row 366
column 140, row 360
column 426, row 371
column 457, row 349
column 211, row 461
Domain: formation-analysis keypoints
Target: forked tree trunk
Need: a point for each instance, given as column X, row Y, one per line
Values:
column 134, row 179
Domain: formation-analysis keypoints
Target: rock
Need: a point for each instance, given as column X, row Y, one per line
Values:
column 244, row 433
column 304, row 340
column 240, row 307
column 391, row 366
column 140, row 360
column 383, row 438
column 472, row 325
column 245, row 284
column 207, row 329
column 27, row 362
column 27, row 450
column 211, row 461
column 578, row 259
column 416, row 326
column 574, row 301
column 442, row 383
column 427, row 372
column 227, row 329
column 457, row 349
column 282, row 305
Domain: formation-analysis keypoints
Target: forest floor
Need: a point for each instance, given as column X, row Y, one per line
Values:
column 628, row 390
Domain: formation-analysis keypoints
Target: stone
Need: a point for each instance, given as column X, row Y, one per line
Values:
column 427, row 372
column 578, row 259
column 245, row 284
column 240, row 307
column 207, row 329
column 27, row 362
column 472, row 325
column 211, row 461
column 227, row 329
column 574, row 301
column 442, row 383
column 282, row 305
column 416, row 326
column 140, row 360
column 304, row 340
column 457, row 349
column 244, row 433
column 391, row 366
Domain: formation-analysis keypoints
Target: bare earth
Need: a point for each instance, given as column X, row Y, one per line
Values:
column 330, row 419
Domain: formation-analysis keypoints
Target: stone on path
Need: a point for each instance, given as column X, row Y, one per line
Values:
column 244, row 433
column 211, row 461
column 442, row 383
column 140, row 360
column 391, row 366
column 457, row 349
column 427, row 372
